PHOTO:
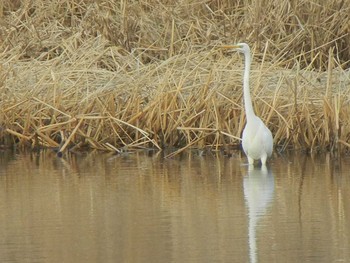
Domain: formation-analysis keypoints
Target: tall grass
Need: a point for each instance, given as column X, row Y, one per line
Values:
column 114, row 75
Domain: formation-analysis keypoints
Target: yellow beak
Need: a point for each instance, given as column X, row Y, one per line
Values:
column 230, row 46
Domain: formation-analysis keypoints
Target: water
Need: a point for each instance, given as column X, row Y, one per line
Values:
column 143, row 208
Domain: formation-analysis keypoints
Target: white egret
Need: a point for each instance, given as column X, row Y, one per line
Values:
column 257, row 139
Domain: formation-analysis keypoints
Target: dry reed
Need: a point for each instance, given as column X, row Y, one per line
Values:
column 114, row 75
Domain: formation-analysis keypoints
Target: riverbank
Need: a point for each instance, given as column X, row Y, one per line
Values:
column 123, row 75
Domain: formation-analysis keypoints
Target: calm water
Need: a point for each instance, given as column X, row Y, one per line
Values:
column 144, row 208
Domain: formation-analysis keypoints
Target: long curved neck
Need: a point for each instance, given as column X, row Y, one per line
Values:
column 246, row 92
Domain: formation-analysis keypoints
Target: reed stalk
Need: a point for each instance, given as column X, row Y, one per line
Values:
column 119, row 75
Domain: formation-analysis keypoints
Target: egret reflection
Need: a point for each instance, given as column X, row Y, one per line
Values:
column 259, row 186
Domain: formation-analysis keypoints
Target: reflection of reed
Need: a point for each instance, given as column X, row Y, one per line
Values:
column 144, row 208
column 258, row 191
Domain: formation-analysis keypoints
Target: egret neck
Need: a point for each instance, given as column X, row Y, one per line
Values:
column 246, row 92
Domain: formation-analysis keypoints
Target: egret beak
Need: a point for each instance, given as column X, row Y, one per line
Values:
column 230, row 46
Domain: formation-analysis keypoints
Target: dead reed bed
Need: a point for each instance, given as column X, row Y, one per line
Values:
column 115, row 75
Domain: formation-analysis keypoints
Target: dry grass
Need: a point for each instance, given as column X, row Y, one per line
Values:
column 111, row 75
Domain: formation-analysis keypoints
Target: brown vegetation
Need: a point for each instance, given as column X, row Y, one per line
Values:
column 113, row 74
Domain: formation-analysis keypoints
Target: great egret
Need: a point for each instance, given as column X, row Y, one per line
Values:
column 257, row 139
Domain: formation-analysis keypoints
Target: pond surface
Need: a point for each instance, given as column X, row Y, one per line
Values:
column 140, row 207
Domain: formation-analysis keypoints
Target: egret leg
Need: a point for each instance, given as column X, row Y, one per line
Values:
column 250, row 160
column 263, row 160
column 264, row 170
